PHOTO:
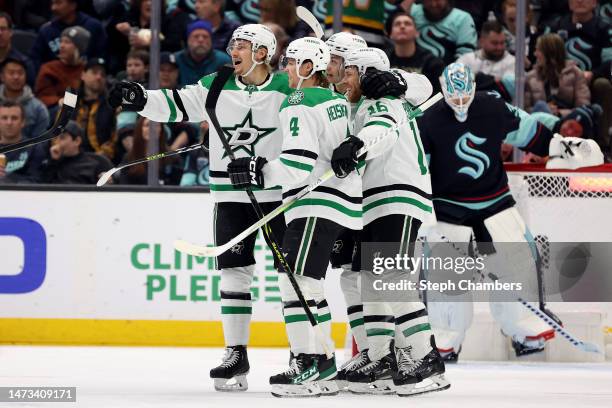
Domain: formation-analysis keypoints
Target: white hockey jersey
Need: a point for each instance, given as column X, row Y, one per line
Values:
column 396, row 178
column 247, row 115
column 314, row 121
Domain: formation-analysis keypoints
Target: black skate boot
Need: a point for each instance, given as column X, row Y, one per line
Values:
column 300, row 380
column 450, row 356
column 528, row 347
column 327, row 375
column 231, row 374
column 419, row 376
column 357, row 361
column 375, row 377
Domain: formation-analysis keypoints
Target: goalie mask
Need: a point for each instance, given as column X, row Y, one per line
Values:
column 259, row 36
column 458, row 86
column 307, row 49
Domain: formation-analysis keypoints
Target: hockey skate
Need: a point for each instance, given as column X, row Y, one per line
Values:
column 376, row 377
column 528, row 347
column 327, row 375
column 419, row 376
column 231, row 374
column 450, row 356
column 357, row 361
column 300, row 380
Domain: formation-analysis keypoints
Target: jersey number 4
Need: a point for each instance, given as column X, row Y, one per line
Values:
column 293, row 126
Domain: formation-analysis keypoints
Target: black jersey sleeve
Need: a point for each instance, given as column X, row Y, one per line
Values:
column 523, row 131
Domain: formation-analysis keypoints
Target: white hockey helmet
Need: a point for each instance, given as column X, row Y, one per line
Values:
column 365, row 58
column 259, row 36
column 458, row 86
column 308, row 49
column 342, row 43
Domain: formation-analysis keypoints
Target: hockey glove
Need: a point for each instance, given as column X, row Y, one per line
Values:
column 344, row 158
column 131, row 96
column 375, row 84
column 246, row 172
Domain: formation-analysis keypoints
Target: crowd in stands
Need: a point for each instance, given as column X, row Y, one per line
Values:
column 47, row 46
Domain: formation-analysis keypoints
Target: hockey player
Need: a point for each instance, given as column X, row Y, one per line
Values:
column 314, row 120
column 247, row 99
column 396, row 191
column 462, row 137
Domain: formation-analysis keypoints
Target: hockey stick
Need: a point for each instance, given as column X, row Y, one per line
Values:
column 211, row 101
column 542, row 314
column 306, row 16
column 70, row 101
column 200, row 250
column 106, row 176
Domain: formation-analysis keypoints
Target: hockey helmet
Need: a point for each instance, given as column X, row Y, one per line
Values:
column 365, row 58
column 307, row 49
column 259, row 36
column 342, row 43
column 458, row 86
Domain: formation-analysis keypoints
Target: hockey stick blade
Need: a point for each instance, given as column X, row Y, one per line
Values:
column 106, row 176
column 306, row 16
column 201, row 250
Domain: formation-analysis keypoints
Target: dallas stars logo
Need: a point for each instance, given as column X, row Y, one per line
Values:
column 295, row 98
column 245, row 135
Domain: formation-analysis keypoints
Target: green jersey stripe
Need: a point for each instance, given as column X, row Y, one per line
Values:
column 297, row 165
column 326, row 203
column 400, row 200
column 171, row 105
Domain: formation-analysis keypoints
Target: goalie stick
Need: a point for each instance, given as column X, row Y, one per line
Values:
column 200, row 250
column 68, row 107
column 211, row 101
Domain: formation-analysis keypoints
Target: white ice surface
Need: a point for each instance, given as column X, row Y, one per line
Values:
column 134, row 377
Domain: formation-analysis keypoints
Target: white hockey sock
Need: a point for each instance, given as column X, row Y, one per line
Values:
column 379, row 325
column 299, row 331
column 412, row 327
column 350, row 283
column 236, row 304
column 324, row 318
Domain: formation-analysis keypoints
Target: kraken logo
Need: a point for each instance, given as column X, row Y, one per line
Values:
column 479, row 161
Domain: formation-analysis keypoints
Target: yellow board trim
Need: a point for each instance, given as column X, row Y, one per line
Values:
column 142, row 332
column 377, row 25
column 608, row 330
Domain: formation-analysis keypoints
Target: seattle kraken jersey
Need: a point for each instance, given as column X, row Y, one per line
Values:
column 396, row 180
column 464, row 158
column 314, row 121
column 245, row 113
column 588, row 44
column 448, row 38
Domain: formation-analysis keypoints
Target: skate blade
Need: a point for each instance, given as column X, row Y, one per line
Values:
column 328, row 388
column 235, row 384
column 342, row 385
column 308, row 390
column 431, row 384
column 378, row 387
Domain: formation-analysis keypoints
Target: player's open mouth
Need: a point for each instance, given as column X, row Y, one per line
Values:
column 237, row 63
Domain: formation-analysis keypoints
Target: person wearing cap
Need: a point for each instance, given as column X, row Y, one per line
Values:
column 168, row 71
column 223, row 28
column 69, row 164
column 199, row 58
column 7, row 51
column 57, row 75
column 47, row 44
column 95, row 117
column 14, row 88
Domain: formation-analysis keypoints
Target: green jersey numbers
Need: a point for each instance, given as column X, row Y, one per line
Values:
column 294, row 128
column 378, row 107
column 337, row 111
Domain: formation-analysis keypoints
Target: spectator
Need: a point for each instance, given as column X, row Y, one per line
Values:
column 282, row 41
column 492, row 57
column 282, row 12
column 69, row 164
column 21, row 165
column 47, row 44
column 556, row 85
column 199, row 58
column 588, row 42
column 478, row 9
column 55, row 76
column 136, row 22
column 366, row 22
column 196, row 168
column 14, row 88
column 8, row 52
column 31, row 14
column 168, row 71
column 549, row 11
column 169, row 167
column 508, row 15
column 213, row 11
column 94, row 115
column 137, row 67
column 445, row 31
column 407, row 54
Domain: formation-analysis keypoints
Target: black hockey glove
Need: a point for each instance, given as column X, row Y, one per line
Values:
column 376, row 84
column 344, row 158
column 130, row 95
column 246, row 172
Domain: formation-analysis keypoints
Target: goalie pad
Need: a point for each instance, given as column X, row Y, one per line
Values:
column 573, row 153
